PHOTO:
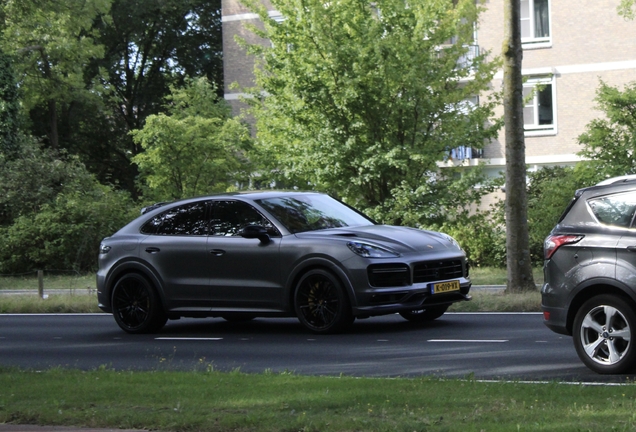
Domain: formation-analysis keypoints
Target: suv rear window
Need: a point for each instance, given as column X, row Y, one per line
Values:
column 615, row 210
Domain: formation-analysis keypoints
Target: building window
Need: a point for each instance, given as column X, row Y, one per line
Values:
column 539, row 111
column 535, row 23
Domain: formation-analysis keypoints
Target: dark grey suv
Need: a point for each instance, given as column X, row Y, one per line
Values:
column 590, row 275
column 246, row 255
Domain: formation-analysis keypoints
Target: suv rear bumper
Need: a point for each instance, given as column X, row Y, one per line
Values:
column 556, row 319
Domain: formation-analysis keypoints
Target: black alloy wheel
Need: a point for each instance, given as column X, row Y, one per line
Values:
column 602, row 334
column 136, row 306
column 321, row 303
column 423, row 315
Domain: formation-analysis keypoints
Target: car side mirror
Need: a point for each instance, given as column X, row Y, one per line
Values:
column 255, row 231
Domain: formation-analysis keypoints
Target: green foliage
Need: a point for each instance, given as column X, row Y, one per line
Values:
column 9, row 106
column 626, row 9
column 482, row 238
column 34, row 177
column 53, row 213
column 363, row 100
column 194, row 148
column 52, row 43
column 66, row 233
column 610, row 142
column 549, row 191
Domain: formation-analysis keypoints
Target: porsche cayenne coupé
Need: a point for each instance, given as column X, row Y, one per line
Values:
column 274, row 254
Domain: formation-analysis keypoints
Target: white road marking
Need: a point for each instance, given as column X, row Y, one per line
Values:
column 469, row 340
column 188, row 338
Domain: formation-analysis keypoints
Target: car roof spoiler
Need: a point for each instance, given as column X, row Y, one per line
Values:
column 610, row 181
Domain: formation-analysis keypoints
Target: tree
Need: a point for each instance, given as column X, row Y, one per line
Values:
column 150, row 46
column 517, row 241
column 53, row 213
column 90, row 73
column 193, row 148
column 9, row 107
column 609, row 143
column 364, row 99
column 51, row 42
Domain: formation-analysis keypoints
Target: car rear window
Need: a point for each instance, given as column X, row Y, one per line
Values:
column 614, row 210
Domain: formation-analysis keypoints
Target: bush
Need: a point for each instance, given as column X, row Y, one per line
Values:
column 53, row 212
column 64, row 234
column 483, row 239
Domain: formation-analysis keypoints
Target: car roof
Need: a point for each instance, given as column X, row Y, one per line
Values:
column 610, row 182
column 250, row 195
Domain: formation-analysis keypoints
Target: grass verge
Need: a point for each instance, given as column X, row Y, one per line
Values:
column 482, row 302
column 63, row 303
column 206, row 401
column 77, row 301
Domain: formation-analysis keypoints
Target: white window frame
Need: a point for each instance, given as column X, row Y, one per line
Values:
column 534, row 128
column 533, row 42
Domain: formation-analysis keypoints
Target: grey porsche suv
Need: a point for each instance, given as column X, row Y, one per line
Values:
column 590, row 275
column 274, row 254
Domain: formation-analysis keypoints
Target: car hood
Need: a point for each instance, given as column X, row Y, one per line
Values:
column 401, row 239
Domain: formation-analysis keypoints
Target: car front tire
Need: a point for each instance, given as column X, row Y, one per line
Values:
column 136, row 305
column 602, row 334
column 424, row 315
column 321, row 303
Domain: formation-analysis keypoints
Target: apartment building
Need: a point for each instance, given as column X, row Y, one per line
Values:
column 568, row 46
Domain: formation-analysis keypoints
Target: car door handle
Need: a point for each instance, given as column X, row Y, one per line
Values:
column 631, row 248
column 152, row 250
column 217, row 252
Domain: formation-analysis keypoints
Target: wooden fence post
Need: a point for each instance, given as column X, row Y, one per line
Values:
column 41, row 283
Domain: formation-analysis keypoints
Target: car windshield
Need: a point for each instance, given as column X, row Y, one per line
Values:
column 311, row 212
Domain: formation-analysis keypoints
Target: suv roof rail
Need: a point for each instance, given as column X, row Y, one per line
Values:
column 620, row 179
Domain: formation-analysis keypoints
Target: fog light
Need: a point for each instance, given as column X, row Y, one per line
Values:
column 546, row 316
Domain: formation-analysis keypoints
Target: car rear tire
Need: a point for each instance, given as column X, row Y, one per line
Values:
column 136, row 305
column 423, row 315
column 602, row 334
column 321, row 303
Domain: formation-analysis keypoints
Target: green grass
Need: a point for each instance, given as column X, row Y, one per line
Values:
column 498, row 276
column 67, row 280
column 63, row 303
column 214, row 401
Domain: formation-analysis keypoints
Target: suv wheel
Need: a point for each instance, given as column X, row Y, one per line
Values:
column 602, row 334
column 136, row 306
column 321, row 303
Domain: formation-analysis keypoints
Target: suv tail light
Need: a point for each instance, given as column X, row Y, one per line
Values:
column 553, row 242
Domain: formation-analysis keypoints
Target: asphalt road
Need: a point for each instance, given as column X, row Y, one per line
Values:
column 487, row 346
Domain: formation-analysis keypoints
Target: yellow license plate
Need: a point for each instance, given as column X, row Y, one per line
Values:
column 444, row 287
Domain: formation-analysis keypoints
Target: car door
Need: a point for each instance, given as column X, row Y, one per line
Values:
column 624, row 204
column 244, row 273
column 176, row 248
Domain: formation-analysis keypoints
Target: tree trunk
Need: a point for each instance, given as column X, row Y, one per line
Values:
column 517, row 241
column 54, row 139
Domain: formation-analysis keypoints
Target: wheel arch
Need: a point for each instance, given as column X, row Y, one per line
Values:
column 318, row 263
column 125, row 267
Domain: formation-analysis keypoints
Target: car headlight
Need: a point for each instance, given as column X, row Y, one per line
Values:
column 371, row 251
column 103, row 249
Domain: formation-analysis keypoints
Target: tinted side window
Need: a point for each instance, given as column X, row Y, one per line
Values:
column 615, row 210
column 188, row 219
column 230, row 216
